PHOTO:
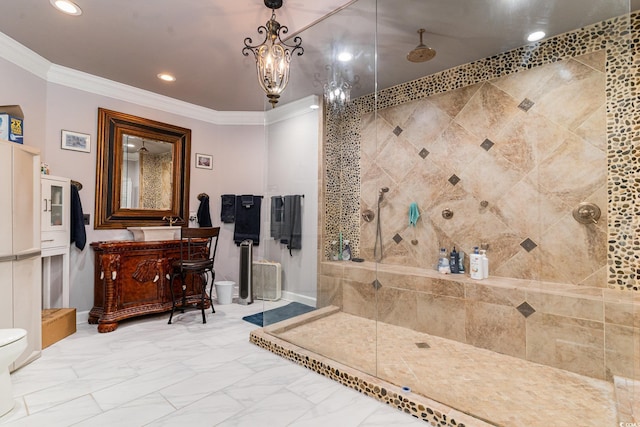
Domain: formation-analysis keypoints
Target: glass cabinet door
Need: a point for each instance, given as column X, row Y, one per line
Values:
column 55, row 206
column 53, row 200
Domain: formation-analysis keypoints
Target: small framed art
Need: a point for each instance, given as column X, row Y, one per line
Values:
column 204, row 161
column 76, row 141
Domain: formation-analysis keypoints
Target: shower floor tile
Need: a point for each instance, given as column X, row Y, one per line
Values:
column 497, row 388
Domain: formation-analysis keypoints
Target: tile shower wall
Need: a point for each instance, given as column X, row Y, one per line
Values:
column 532, row 133
column 529, row 146
column 156, row 173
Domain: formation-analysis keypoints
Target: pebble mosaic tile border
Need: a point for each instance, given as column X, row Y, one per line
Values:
column 619, row 36
column 418, row 406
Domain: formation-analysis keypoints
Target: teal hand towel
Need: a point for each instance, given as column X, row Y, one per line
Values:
column 414, row 214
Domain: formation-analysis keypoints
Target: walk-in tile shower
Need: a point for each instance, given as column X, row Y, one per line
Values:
column 528, row 153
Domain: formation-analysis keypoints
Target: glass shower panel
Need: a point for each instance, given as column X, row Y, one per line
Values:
column 504, row 152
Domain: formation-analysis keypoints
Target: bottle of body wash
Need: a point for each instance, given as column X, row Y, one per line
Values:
column 475, row 265
column 485, row 264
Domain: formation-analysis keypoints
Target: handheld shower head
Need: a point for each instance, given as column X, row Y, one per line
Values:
column 381, row 193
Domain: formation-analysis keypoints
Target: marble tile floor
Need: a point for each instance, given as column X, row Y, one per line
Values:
column 149, row 373
column 500, row 389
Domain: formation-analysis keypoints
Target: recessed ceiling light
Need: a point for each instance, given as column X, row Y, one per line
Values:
column 345, row 56
column 166, row 77
column 536, row 35
column 66, row 6
column 314, row 106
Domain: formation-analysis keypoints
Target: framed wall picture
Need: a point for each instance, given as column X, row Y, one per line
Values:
column 204, row 161
column 76, row 141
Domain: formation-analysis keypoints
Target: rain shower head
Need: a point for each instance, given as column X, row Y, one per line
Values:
column 422, row 52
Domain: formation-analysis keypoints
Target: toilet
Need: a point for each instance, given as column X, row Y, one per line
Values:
column 12, row 343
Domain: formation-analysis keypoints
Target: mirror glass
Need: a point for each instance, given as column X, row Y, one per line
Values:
column 146, row 178
column 142, row 171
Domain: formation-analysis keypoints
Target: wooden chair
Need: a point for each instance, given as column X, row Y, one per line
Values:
column 197, row 254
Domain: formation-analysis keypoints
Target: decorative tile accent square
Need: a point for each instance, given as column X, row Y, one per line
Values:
column 422, row 345
column 423, row 153
column 525, row 309
column 397, row 131
column 528, row 244
column 397, row 238
column 526, row 104
column 454, row 179
column 487, row 144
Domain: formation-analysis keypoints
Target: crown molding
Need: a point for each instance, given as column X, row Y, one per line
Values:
column 291, row 110
column 27, row 59
column 23, row 57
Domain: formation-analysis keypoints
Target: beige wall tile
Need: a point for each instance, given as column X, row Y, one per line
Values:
column 568, row 306
column 329, row 291
column 509, row 296
column 396, row 307
column 563, row 342
column 622, row 347
column 441, row 316
column 622, row 313
column 359, row 299
column 495, row 327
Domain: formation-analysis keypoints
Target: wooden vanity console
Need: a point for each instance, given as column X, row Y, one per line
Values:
column 132, row 279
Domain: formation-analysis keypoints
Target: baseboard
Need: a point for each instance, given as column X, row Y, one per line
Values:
column 82, row 317
column 302, row 299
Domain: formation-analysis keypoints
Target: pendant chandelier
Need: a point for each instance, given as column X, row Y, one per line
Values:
column 337, row 89
column 273, row 56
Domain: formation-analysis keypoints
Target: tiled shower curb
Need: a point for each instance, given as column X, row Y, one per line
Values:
column 430, row 411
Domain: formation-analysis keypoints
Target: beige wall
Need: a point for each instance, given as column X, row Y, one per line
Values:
column 50, row 107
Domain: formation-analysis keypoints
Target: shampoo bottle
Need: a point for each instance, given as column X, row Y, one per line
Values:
column 346, row 252
column 454, row 261
column 443, row 262
column 475, row 265
column 461, row 264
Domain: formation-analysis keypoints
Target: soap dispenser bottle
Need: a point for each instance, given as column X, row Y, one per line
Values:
column 475, row 265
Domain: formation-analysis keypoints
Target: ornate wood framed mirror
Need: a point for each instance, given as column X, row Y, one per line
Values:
column 142, row 171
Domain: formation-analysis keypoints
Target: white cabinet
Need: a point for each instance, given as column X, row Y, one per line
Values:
column 55, row 202
column 20, row 265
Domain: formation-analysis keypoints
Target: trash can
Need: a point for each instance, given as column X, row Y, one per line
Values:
column 224, row 291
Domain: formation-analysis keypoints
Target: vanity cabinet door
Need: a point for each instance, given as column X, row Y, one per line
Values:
column 141, row 279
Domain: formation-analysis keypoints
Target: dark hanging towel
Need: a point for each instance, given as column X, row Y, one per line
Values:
column 204, row 215
column 228, row 209
column 292, row 229
column 277, row 217
column 247, row 215
column 78, row 232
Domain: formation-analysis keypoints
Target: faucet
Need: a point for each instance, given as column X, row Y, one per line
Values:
column 171, row 220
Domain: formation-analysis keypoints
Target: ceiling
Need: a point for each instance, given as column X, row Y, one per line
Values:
column 200, row 41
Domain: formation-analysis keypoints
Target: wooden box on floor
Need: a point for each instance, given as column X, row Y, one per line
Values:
column 57, row 323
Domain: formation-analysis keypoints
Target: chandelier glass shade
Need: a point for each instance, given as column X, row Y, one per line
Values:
column 273, row 56
column 337, row 94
